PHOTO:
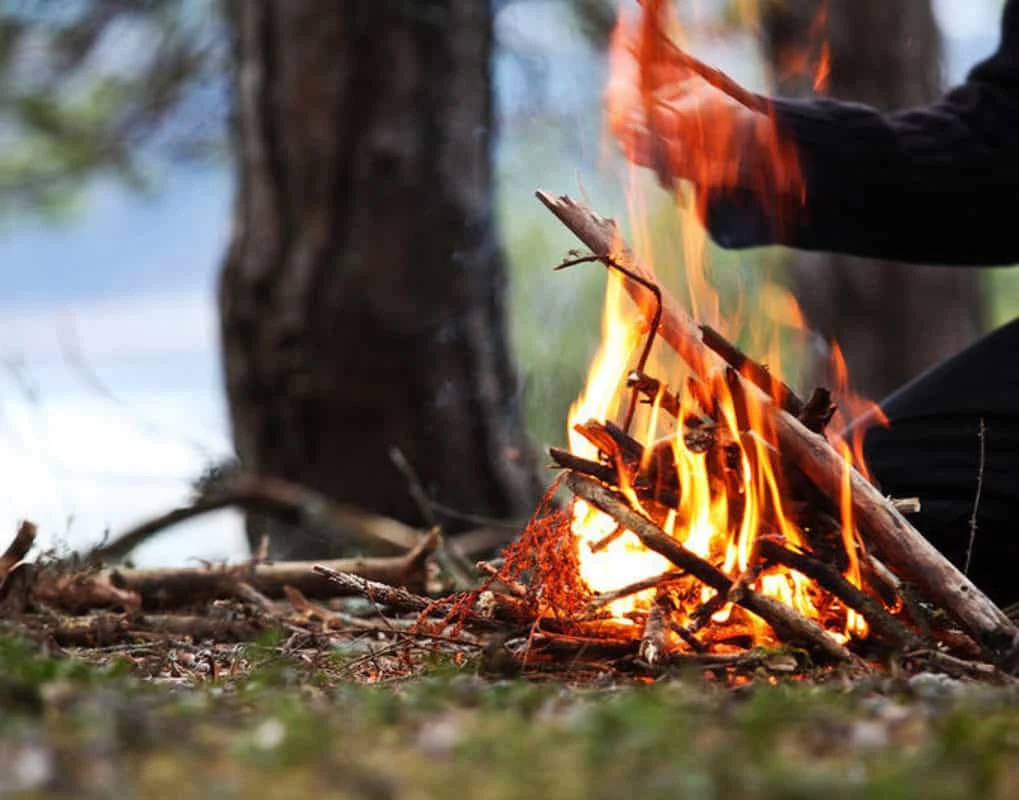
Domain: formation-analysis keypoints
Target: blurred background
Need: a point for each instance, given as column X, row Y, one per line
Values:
column 117, row 175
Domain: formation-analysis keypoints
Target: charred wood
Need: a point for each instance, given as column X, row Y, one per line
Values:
column 788, row 624
column 889, row 629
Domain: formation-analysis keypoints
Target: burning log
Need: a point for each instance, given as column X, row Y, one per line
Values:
column 880, row 621
column 884, row 527
column 788, row 624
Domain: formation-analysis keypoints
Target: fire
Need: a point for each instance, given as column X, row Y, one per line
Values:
column 728, row 494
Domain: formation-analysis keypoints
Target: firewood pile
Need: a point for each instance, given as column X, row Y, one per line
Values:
column 747, row 538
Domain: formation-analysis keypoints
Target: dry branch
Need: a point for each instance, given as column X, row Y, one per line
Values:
column 18, row 548
column 503, row 607
column 789, row 625
column 604, row 598
column 756, row 373
column 901, row 546
column 181, row 587
column 176, row 587
column 294, row 504
column 100, row 630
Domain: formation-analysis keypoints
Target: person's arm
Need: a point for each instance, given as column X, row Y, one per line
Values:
column 938, row 184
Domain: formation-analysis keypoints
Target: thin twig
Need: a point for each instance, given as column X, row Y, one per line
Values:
column 448, row 555
column 604, row 598
column 982, row 435
column 656, row 319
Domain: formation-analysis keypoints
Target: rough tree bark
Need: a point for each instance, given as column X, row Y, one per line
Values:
column 888, row 55
column 362, row 294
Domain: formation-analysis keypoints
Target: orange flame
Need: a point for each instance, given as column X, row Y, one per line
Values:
column 730, row 493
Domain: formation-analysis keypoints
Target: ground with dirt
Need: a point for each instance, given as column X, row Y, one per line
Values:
column 267, row 720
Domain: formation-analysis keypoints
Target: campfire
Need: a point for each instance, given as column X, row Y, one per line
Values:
column 712, row 513
column 705, row 513
column 705, row 510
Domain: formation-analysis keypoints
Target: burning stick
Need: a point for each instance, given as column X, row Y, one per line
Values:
column 901, row 545
column 757, row 374
column 605, row 598
column 789, row 624
column 879, row 620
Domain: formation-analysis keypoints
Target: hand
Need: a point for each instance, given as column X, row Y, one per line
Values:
column 666, row 115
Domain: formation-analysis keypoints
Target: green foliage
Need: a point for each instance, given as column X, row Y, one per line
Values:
column 105, row 87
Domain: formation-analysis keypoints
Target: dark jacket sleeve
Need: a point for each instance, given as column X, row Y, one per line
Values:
column 937, row 184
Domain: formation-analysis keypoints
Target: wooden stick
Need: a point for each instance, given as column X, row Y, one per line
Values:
column 789, row 625
column 604, row 598
column 756, row 373
column 503, row 607
column 881, row 622
column 18, row 548
column 653, row 649
column 566, row 460
column 817, row 411
column 294, row 504
column 178, row 587
column 901, row 545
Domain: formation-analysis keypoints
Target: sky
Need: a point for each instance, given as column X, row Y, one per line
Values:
column 110, row 390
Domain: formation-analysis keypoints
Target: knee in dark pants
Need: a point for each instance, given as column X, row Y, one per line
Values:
column 945, row 461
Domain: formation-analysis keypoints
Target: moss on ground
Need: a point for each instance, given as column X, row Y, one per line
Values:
column 282, row 731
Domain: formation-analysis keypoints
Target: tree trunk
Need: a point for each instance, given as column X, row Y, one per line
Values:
column 362, row 294
column 891, row 320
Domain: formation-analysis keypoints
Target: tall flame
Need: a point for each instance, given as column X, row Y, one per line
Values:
column 730, row 494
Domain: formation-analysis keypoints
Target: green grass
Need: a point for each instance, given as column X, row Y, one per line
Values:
column 284, row 732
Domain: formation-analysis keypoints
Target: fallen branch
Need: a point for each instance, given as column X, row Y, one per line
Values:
column 293, row 504
column 176, row 587
column 19, row 547
column 788, row 624
column 502, row 607
column 101, row 630
column 901, row 545
column 604, row 598
column 181, row 587
column 756, row 373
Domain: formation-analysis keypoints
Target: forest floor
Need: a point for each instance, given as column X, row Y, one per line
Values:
column 268, row 719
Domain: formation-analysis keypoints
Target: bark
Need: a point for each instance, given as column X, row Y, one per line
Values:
column 887, row 55
column 361, row 296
